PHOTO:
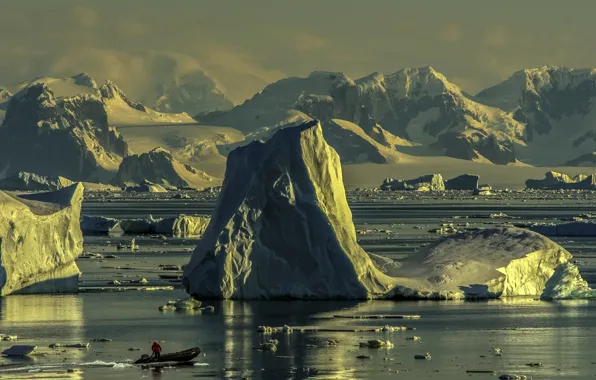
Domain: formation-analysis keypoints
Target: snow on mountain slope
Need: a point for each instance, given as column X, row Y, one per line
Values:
column 121, row 110
column 158, row 166
column 420, row 106
column 354, row 146
column 274, row 106
column 193, row 93
column 196, row 145
column 555, row 104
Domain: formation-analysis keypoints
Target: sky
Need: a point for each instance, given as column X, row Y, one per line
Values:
column 246, row 44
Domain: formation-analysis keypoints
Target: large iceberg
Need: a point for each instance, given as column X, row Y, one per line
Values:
column 282, row 227
column 492, row 263
column 40, row 239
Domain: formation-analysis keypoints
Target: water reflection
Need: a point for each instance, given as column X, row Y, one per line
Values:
column 40, row 320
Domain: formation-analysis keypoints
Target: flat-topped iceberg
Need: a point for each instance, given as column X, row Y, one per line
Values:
column 40, row 238
column 282, row 227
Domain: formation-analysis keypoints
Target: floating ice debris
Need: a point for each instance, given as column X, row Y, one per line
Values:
column 414, row 338
column 269, row 346
column 422, row 357
column 75, row 345
column 377, row 343
column 266, row 329
column 513, row 377
column 378, row 316
column 19, row 350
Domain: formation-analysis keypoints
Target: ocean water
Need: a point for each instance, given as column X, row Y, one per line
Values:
column 460, row 336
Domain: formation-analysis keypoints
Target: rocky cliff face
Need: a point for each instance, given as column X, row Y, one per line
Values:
column 67, row 136
column 158, row 166
column 282, row 227
column 40, row 238
column 555, row 104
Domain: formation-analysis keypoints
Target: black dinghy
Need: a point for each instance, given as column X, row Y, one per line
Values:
column 180, row 357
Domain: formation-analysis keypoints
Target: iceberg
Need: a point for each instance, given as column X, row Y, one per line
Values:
column 282, row 227
column 40, row 238
column 492, row 263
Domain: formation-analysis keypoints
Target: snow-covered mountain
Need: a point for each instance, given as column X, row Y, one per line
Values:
column 194, row 93
column 429, row 114
column 555, row 105
column 65, row 127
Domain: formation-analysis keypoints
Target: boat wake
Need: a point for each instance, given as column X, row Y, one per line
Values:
column 32, row 368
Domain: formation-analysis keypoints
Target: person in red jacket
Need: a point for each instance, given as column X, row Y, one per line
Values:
column 156, row 348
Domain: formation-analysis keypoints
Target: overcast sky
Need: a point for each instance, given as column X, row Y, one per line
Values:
column 246, row 44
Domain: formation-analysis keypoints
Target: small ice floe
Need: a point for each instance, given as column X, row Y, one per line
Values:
column 19, row 350
column 508, row 376
column 422, row 356
column 75, row 345
column 266, row 329
column 186, row 304
column 377, row 343
column 269, row 346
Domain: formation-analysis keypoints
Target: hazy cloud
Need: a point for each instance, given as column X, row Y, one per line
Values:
column 307, row 42
column 451, row 33
column 496, row 36
column 138, row 43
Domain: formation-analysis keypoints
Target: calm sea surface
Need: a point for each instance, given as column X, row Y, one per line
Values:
column 459, row 336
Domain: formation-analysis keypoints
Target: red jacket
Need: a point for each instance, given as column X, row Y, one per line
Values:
column 156, row 347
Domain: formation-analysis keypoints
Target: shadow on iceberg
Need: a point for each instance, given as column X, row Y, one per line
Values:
column 282, row 229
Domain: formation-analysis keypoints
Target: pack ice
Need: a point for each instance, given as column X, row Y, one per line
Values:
column 282, row 228
column 40, row 239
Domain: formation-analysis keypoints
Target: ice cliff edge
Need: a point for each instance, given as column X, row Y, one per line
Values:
column 40, row 238
column 282, row 227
